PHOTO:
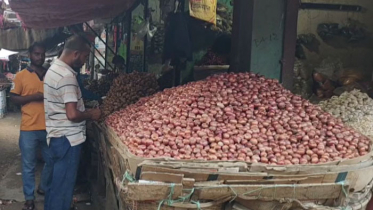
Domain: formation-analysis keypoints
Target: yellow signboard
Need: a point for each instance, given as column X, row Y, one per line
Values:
column 204, row 10
column 137, row 45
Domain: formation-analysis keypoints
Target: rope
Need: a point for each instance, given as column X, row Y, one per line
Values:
column 260, row 189
column 187, row 197
column 172, row 191
column 169, row 200
column 344, row 192
column 198, row 204
column 235, row 194
column 127, row 176
column 343, row 189
column 274, row 192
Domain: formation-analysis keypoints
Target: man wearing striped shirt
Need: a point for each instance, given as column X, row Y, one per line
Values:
column 65, row 119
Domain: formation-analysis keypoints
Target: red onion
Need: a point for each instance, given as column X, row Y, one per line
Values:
column 238, row 117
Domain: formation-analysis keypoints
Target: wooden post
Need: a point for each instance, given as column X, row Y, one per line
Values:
column 92, row 63
column 290, row 39
column 243, row 12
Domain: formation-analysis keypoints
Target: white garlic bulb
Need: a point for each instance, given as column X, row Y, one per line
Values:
column 354, row 108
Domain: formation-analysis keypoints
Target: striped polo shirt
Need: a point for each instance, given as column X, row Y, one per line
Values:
column 61, row 87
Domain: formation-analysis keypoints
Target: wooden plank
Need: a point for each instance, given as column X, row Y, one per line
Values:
column 153, row 192
column 162, row 177
column 202, row 176
column 290, row 39
column 210, row 183
column 154, row 206
column 202, row 205
column 267, row 182
column 281, row 180
column 194, row 175
column 242, row 35
column 309, row 170
column 211, row 67
column 254, row 176
column 253, row 192
column 188, row 183
column 359, row 179
column 207, row 166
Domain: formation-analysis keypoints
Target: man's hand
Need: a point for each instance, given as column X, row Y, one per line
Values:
column 23, row 100
column 95, row 114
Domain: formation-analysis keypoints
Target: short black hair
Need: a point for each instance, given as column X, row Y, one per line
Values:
column 77, row 43
column 36, row 45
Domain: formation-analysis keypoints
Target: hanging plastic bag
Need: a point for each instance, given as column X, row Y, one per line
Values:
column 145, row 29
column 204, row 10
column 142, row 29
column 152, row 30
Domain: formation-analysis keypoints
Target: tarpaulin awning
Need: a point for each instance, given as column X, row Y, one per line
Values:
column 18, row 39
column 4, row 54
column 52, row 52
column 58, row 13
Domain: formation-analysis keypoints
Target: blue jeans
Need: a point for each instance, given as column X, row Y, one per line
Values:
column 65, row 168
column 29, row 141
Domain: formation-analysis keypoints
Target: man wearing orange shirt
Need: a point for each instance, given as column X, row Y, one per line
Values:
column 27, row 91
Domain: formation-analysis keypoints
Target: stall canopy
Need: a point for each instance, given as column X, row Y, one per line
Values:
column 4, row 54
column 52, row 52
column 58, row 13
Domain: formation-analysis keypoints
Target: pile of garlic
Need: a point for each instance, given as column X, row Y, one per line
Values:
column 363, row 125
column 354, row 108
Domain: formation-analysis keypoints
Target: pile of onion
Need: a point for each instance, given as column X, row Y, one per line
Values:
column 128, row 89
column 235, row 117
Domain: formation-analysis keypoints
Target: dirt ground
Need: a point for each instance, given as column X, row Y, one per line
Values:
column 9, row 133
column 10, row 168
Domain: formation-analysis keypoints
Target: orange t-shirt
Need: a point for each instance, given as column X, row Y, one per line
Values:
column 27, row 82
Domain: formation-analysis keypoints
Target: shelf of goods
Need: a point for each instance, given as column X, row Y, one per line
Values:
column 2, row 103
column 4, row 84
column 158, row 182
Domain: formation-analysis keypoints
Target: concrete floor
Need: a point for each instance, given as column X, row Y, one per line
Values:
column 10, row 168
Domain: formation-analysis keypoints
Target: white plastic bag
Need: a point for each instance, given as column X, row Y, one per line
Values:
column 145, row 29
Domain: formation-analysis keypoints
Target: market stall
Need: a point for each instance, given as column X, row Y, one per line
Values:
column 5, row 82
column 231, row 141
column 269, row 150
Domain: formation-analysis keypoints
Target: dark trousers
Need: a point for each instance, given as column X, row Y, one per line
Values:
column 65, row 167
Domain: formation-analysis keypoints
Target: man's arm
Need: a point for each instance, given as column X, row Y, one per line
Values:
column 22, row 100
column 17, row 89
column 74, row 115
column 69, row 91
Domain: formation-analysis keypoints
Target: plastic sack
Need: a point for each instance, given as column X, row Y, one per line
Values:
column 204, row 10
column 145, row 29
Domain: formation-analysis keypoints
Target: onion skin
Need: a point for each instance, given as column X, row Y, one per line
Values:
column 235, row 117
